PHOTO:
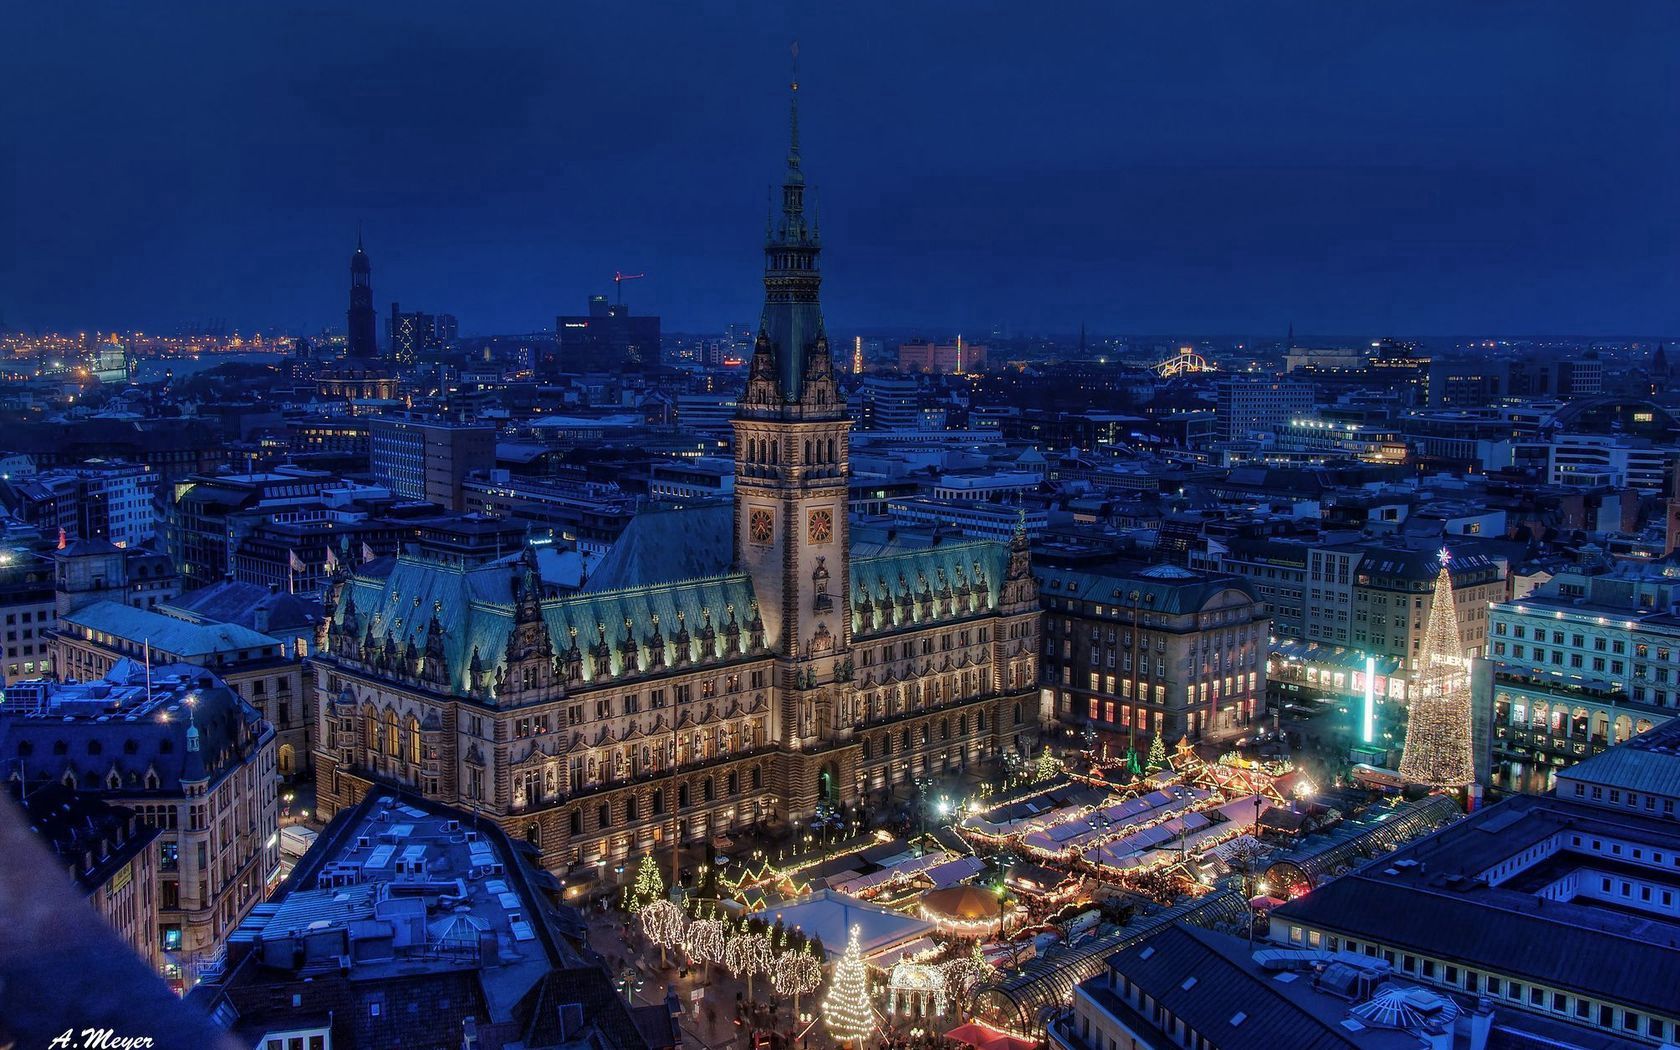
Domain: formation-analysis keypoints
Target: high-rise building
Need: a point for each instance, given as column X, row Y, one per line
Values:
column 427, row 459
column 410, row 334
column 363, row 340
column 606, row 339
column 1250, row 406
column 447, row 329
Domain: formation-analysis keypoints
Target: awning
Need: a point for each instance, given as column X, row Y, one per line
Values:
column 985, row 1037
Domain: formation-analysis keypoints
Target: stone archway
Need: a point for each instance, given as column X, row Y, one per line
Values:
column 828, row 784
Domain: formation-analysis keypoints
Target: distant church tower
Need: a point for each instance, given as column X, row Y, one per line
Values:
column 791, row 469
column 361, row 327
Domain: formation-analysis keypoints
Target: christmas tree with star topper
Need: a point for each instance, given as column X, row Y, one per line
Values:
column 1438, row 751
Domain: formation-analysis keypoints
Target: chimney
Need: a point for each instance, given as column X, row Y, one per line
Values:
column 1481, row 1024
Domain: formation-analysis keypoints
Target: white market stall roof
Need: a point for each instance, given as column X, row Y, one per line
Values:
column 828, row 915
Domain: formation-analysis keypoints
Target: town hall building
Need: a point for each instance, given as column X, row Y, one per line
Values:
column 722, row 667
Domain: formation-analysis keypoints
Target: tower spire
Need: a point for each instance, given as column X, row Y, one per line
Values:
column 793, row 113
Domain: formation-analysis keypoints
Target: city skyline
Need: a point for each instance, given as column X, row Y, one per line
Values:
column 1437, row 172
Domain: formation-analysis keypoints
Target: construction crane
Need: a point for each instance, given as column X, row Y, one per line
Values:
column 618, row 284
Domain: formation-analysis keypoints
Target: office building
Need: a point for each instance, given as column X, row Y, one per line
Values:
column 28, row 610
column 955, row 358
column 1259, row 406
column 410, row 334
column 192, row 759
column 1158, row 651
column 424, row 459
column 1581, row 663
column 608, row 338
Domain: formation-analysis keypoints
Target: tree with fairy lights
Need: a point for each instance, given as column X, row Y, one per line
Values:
column 705, row 940
column 847, row 1010
column 962, row 976
column 1157, row 753
column 796, row 972
column 663, row 922
column 649, row 886
column 746, row 953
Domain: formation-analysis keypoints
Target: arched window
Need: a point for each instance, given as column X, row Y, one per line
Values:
column 682, row 796
column 603, row 815
column 1017, row 712
column 413, row 740
column 708, row 790
column 867, row 749
column 631, row 808
column 577, row 822
column 807, row 451
column 733, row 784
column 533, row 834
column 391, row 740
column 658, row 801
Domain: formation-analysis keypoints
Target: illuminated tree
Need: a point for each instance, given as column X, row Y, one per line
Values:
column 746, row 954
column 847, row 1010
column 649, row 886
column 796, row 972
column 705, row 940
column 1046, row 766
column 663, row 922
column 1157, row 752
column 962, row 976
column 1438, row 751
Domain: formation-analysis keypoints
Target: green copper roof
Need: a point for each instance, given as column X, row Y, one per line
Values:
column 882, row 582
column 474, row 608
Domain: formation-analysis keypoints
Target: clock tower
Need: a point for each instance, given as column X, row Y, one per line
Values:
column 791, row 473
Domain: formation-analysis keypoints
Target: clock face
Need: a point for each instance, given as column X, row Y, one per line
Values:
column 761, row 525
column 821, row 525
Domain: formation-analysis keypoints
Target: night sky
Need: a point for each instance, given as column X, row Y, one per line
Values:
column 1421, row 168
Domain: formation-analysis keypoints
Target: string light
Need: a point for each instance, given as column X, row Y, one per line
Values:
column 649, row 886
column 1438, row 751
column 746, row 953
column 663, row 923
column 846, row 1009
column 705, row 940
column 796, row 973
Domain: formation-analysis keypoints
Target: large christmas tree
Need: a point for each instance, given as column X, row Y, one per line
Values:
column 1157, row 752
column 847, row 1010
column 1438, row 752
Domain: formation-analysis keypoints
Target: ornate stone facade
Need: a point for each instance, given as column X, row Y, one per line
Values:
column 811, row 668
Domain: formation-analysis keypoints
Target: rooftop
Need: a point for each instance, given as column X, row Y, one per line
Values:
column 1457, row 895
